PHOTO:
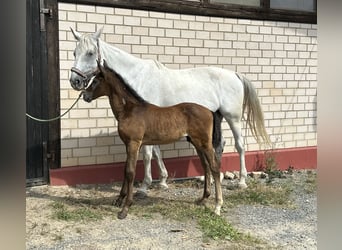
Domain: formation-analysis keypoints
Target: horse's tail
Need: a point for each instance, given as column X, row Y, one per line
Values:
column 218, row 144
column 255, row 116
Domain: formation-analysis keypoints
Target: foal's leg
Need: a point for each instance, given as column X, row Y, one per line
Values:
column 132, row 156
column 215, row 165
column 123, row 192
column 162, row 169
column 206, row 189
column 235, row 126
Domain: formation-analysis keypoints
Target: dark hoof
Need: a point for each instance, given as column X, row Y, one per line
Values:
column 122, row 215
column 140, row 194
column 200, row 202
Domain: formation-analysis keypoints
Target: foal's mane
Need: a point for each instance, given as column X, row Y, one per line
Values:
column 125, row 88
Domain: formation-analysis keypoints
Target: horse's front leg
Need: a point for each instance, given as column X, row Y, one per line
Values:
column 132, row 156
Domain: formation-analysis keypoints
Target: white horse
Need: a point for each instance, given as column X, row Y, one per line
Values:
column 215, row 88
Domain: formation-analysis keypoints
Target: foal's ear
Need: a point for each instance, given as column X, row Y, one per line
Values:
column 101, row 68
column 97, row 34
column 76, row 34
column 105, row 65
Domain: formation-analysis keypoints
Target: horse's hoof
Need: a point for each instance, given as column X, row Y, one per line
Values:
column 122, row 215
column 140, row 194
column 242, row 185
column 163, row 186
column 217, row 211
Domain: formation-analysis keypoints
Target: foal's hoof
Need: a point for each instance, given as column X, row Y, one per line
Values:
column 122, row 215
column 201, row 202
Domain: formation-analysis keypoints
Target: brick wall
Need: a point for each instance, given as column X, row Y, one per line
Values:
column 279, row 57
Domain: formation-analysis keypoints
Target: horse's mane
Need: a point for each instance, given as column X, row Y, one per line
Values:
column 126, row 88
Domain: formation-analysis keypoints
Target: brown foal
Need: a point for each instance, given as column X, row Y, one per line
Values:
column 141, row 123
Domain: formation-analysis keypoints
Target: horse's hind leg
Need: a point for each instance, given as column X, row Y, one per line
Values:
column 162, row 169
column 147, row 157
column 235, row 126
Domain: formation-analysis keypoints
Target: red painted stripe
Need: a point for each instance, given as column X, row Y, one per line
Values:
column 299, row 158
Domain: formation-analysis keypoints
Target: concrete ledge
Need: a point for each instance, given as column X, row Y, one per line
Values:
column 298, row 158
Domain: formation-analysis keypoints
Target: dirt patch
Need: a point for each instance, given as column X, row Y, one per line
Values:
column 83, row 217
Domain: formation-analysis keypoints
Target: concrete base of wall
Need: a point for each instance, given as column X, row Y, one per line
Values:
column 298, row 158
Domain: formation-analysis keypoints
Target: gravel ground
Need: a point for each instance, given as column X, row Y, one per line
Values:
column 279, row 228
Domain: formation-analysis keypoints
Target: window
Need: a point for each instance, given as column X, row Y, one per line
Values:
column 301, row 11
column 301, row 5
column 240, row 2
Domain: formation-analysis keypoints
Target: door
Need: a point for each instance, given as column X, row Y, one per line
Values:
column 42, row 90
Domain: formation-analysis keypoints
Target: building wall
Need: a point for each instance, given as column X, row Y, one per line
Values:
column 280, row 58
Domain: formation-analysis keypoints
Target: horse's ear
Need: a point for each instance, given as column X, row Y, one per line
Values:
column 76, row 34
column 97, row 34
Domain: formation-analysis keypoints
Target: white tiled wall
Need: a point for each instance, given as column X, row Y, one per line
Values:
column 279, row 57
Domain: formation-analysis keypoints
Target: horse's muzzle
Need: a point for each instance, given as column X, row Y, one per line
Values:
column 77, row 82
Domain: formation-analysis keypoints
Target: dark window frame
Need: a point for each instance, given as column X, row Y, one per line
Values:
column 207, row 8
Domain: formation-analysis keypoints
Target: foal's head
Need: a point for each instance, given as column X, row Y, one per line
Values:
column 100, row 85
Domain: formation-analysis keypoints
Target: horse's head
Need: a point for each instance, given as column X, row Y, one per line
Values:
column 86, row 54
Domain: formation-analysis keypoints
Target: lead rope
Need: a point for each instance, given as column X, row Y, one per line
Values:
column 58, row 117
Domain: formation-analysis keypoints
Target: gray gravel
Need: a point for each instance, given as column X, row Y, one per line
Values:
column 292, row 228
column 283, row 228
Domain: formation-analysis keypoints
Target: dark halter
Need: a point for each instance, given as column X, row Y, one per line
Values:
column 90, row 73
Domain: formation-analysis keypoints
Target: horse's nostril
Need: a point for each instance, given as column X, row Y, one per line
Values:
column 77, row 81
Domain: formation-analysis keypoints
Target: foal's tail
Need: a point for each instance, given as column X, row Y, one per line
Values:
column 255, row 116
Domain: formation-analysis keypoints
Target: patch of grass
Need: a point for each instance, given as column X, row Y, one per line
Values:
column 310, row 183
column 261, row 194
column 213, row 227
column 63, row 212
column 216, row 227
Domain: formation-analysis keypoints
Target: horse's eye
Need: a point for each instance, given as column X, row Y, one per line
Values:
column 90, row 53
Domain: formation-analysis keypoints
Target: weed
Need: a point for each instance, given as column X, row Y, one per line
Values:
column 261, row 194
column 268, row 164
column 216, row 227
column 62, row 212
column 310, row 183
